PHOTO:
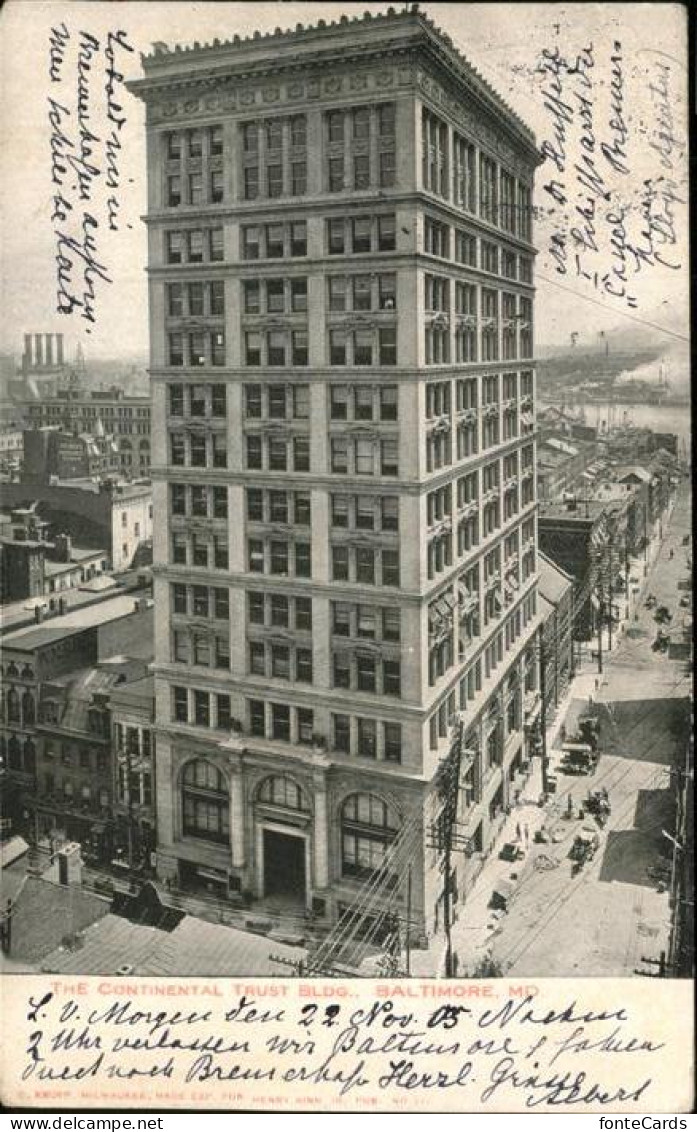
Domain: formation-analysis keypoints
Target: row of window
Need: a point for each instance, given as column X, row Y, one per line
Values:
column 195, row 188
column 275, row 454
column 201, row 601
column 356, row 235
column 465, row 248
column 198, row 501
column 201, row 648
column 278, row 507
column 80, row 756
column 280, row 661
column 196, row 349
column 196, row 299
column 361, row 456
column 198, row 449
column 204, row 551
column 84, row 795
column 475, row 182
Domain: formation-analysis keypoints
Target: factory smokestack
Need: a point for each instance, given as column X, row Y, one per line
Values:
column 38, row 351
column 49, row 349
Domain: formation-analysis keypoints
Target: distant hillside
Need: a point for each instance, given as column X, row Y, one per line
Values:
column 572, row 369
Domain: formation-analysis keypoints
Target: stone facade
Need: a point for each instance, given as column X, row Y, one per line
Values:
column 341, row 298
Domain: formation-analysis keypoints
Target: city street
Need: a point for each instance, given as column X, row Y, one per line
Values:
column 614, row 915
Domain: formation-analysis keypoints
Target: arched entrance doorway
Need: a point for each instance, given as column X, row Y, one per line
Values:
column 282, row 819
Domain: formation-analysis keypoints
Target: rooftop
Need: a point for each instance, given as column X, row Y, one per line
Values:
column 553, row 581
column 79, row 688
column 194, row 947
column 87, row 617
column 166, row 64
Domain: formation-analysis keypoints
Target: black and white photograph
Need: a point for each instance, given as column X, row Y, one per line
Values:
column 345, row 494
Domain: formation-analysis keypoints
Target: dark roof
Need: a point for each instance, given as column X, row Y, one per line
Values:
column 194, row 947
column 553, row 581
column 46, row 913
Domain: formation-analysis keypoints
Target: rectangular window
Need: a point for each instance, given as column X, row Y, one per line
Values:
column 224, row 721
column 215, row 245
column 298, row 178
column 180, row 703
column 280, row 722
column 250, row 243
column 299, row 348
column 393, row 742
column 195, row 245
column 387, row 169
column 251, row 183
column 303, row 614
column 252, row 348
column 179, row 604
column 363, row 348
column 255, row 555
column 202, row 716
column 174, row 190
column 367, row 738
column 387, row 345
column 176, row 349
column 216, row 186
column 175, row 247
column 336, row 174
column 303, row 560
column 340, row 564
column 342, row 670
column 175, row 299
column 361, row 171
column 366, row 677
column 365, row 565
column 336, row 236
column 342, row 733
column 360, row 229
column 390, row 568
column 390, row 513
column 337, row 347
column 298, row 238
column 278, row 455
column 257, row 718
column 255, row 609
column 335, row 126
column 301, row 454
column 386, row 233
column 274, row 241
column 276, row 348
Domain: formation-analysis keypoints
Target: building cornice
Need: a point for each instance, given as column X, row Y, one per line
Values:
column 404, row 36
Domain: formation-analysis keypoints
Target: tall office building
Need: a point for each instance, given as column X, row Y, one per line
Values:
column 341, row 298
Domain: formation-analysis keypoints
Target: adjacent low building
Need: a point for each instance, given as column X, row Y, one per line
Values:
column 74, row 763
column 556, row 594
column 34, row 657
column 108, row 515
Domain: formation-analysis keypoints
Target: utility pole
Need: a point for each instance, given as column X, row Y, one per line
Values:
column 609, row 586
column 408, row 927
column 448, row 792
column 543, row 712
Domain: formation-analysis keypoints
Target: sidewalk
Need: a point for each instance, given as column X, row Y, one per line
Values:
column 475, row 923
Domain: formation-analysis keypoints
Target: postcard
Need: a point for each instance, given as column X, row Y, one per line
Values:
column 346, row 558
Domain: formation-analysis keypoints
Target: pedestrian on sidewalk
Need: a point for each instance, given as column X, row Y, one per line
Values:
column 527, row 835
column 518, row 832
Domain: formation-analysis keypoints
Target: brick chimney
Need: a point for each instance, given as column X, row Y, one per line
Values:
column 63, row 548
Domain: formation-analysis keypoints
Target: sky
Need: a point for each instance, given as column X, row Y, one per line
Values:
column 505, row 42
